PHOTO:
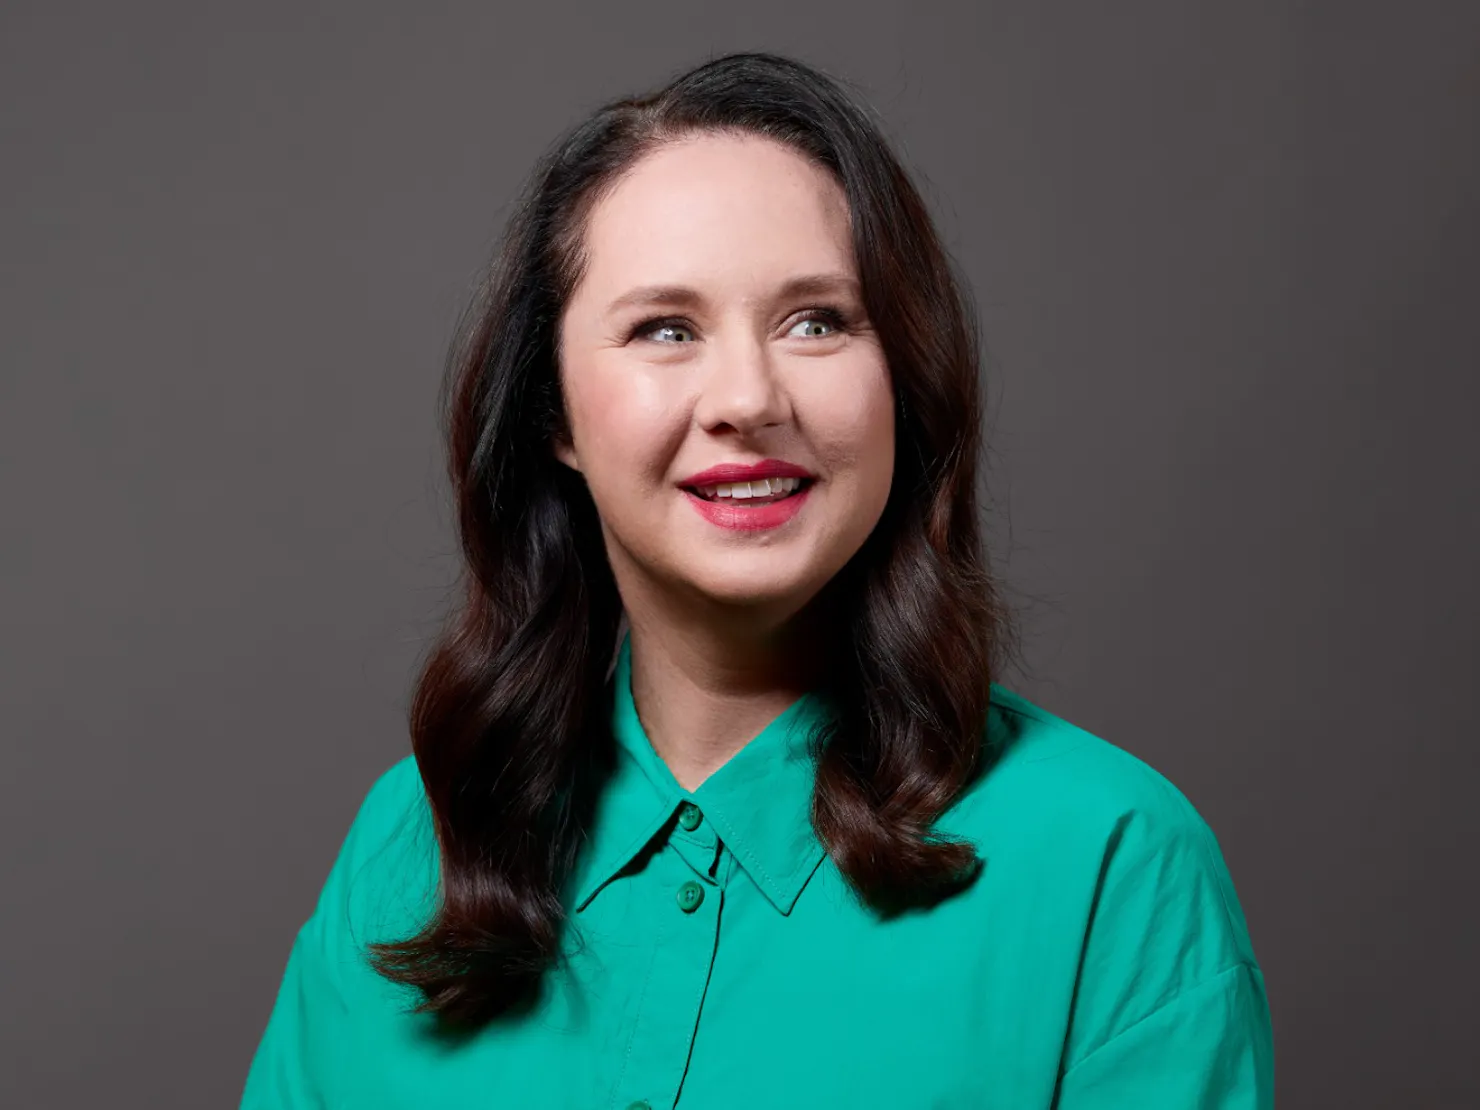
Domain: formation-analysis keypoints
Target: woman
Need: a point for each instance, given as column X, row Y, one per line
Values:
column 714, row 802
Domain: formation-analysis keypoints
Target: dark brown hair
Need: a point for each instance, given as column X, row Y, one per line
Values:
column 511, row 716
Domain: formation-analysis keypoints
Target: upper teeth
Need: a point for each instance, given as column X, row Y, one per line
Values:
column 763, row 488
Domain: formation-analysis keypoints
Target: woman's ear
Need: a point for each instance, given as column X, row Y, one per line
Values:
column 562, row 443
column 565, row 450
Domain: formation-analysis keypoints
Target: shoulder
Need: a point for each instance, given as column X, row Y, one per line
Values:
column 1063, row 802
column 1044, row 765
column 384, row 877
column 1102, row 847
column 395, row 797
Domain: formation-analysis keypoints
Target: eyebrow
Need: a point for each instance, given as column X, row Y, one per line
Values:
column 681, row 296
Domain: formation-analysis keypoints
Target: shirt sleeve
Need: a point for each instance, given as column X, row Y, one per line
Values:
column 1209, row 1048
column 305, row 1050
column 294, row 1065
column 1170, row 1008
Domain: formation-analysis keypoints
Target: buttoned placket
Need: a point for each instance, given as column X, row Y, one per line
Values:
column 688, row 872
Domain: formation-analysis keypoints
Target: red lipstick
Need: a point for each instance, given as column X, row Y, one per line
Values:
column 740, row 516
column 727, row 514
column 746, row 472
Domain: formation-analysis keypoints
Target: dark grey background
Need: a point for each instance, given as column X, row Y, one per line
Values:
column 1226, row 257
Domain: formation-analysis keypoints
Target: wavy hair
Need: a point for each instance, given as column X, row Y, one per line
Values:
column 510, row 718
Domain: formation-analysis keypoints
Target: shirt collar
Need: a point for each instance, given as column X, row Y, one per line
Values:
column 758, row 802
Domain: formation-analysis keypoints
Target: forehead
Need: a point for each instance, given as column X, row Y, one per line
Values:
column 714, row 209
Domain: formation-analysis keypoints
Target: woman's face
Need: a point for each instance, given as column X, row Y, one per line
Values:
column 719, row 323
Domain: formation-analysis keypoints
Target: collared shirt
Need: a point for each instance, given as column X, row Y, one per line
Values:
column 716, row 958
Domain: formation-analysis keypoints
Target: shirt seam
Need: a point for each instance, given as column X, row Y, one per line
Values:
column 741, row 850
column 637, row 1015
column 1179, row 805
column 1169, row 792
column 1232, row 969
column 611, row 866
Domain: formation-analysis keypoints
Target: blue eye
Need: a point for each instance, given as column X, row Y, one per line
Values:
column 831, row 318
column 811, row 323
column 658, row 326
column 670, row 329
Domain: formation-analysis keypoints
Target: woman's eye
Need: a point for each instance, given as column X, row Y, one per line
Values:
column 813, row 326
column 819, row 323
column 667, row 332
column 816, row 324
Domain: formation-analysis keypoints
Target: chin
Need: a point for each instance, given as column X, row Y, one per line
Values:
column 764, row 587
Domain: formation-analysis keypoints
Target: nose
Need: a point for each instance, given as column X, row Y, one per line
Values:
column 741, row 388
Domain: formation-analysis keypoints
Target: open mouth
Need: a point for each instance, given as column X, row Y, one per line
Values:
column 766, row 491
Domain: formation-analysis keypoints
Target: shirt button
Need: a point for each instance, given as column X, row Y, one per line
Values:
column 689, row 896
column 689, row 816
column 640, row 1104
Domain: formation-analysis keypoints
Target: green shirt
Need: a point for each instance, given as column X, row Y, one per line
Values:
column 717, row 958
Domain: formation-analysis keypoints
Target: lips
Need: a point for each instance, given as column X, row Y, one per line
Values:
column 739, row 517
column 750, row 493
column 746, row 472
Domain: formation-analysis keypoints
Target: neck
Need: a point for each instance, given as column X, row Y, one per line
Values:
column 704, row 690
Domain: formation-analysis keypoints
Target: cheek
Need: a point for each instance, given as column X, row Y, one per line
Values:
column 853, row 415
column 622, row 424
column 876, row 454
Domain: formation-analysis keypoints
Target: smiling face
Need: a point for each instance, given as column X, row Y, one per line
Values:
column 719, row 323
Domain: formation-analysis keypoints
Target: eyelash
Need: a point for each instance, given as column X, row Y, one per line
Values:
column 834, row 317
